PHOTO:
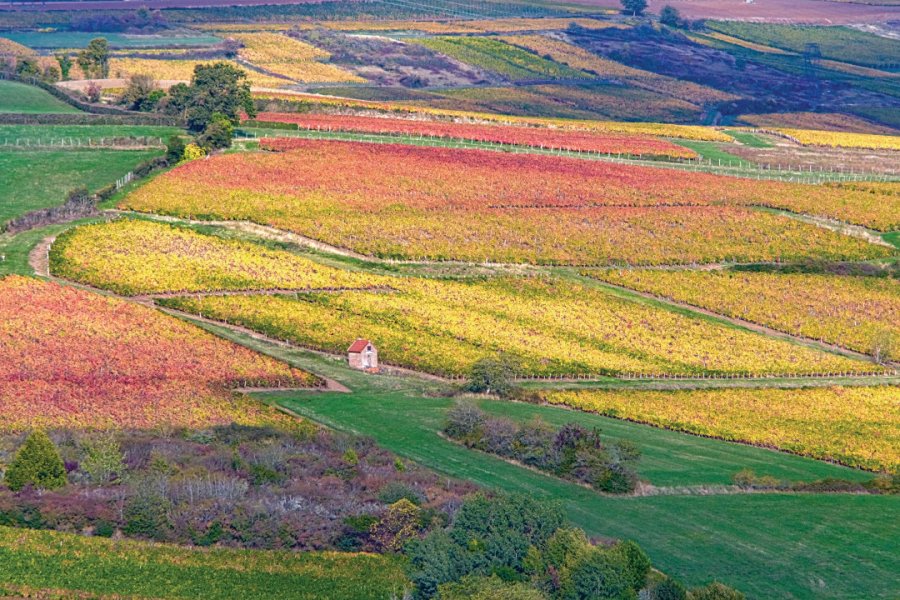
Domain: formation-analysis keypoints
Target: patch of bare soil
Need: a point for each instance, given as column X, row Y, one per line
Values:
column 883, row 162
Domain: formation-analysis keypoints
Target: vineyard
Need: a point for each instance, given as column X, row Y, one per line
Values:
column 839, row 43
column 133, row 257
column 854, row 426
column 644, row 270
column 854, row 312
column 300, row 102
column 499, row 57
column 178, row 70
column 831, row 122
column 635, row 145
column 839, row 139
column 33, row 562
column 291, row 58
column 555, row 328
column 545, row 210
column 76, row 359
column 578, row 58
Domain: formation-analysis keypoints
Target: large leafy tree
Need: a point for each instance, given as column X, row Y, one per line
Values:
column 217, row 89
column 635, row 7
column 94, row 59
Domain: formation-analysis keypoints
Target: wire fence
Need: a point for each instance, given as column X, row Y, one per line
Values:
column 742, row 169
column 80, row 142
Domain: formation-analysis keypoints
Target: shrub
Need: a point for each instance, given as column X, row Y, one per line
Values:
column 488, row 588
column 668, row 589
column 465, row 422
column 174, row 149
column 715, row 591
column 395, row 491
column 398, row 527
column 435, row 560
column 146, row 516
column 637, row 562
column 192, row 152
column 493, row 375
column 599, row 574
column 37, row 463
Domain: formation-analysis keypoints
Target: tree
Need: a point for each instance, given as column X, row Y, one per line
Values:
column 465, row 422
column 637, row 561
column 599, row 574
column 93, row 92
column 884, row 346
column 94, row 59
column 28, row 67
column 103, row 459
column 174, row 149
column 141, row 93
column 37, row 463
column 218, row 88
column 65, row 65
column 493, row 375
column 217, row 134
column 635, row 7
column 670, row 16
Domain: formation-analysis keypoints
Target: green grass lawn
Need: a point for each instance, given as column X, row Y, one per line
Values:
column 769, row 545
column 18, row 97
column 77, row 566
column 749, row 139
column 710, row 151
column 10, row 133
column 40, row 179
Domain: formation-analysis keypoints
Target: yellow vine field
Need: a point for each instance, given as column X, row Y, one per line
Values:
column 179, row 70
column 856, row 426
column 853, row 312
column 839, row 139
column 556, row 329
column 290, row 58
column 163, row 258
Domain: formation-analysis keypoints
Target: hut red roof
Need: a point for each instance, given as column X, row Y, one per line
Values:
column 358, row 346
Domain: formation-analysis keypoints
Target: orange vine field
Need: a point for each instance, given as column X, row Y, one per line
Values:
column 71, row 358
column 580, row 141
column 397, row 201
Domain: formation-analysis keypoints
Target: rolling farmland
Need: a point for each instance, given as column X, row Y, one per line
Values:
column 405, row 300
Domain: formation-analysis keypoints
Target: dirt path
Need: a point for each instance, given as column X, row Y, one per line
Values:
column 39, row 257
column 264, row 292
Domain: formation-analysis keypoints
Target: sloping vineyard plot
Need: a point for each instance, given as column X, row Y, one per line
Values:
column 521, row 136
column 140, row 257
column 70, row 358
column 397, row 201
column 854, row 312
column 855, row 426
column 555, row 329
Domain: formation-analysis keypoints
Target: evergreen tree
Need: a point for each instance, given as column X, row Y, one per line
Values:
column 37, row 463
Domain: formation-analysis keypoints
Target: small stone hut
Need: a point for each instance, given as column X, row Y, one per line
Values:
column 362, row 354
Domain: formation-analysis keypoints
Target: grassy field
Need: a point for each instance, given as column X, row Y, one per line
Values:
column 36, row 133
column 17, row 97
column 40, row 179
column 79, row 39
column 769, row 545
column 76, row 566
